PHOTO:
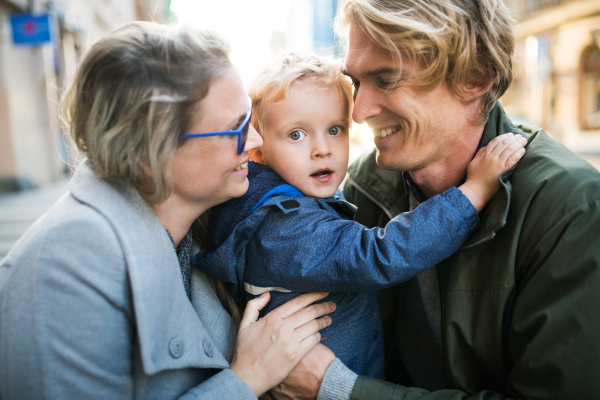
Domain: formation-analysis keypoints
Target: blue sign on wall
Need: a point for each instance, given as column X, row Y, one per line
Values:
column 29, row 29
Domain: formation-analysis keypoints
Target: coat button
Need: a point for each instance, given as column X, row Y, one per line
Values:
column 176, row 347
column 208, row 349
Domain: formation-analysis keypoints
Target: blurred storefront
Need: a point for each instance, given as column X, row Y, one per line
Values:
column 557, row 70
column 32, row 150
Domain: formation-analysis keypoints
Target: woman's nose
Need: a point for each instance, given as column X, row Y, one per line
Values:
column 366, row 104
column 254, row 141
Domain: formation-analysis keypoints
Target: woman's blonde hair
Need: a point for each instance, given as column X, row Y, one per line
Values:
column 135, row 92
column 455, row 40
column 273, row 82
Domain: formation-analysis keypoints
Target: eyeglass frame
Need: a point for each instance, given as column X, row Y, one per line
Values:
column 242, row 136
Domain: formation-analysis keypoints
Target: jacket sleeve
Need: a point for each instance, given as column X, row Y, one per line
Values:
column 553, row 332
column 67, row 324
column 322, row 252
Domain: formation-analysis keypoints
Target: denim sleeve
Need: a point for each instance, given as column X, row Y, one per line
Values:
column 313, row 250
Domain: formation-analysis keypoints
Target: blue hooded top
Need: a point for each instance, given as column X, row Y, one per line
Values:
column 292, row 244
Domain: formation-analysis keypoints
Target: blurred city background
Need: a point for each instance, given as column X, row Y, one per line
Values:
column 556, row 85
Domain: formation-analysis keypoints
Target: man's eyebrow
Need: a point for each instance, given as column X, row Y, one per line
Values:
column 382, row 70
column 375, row 72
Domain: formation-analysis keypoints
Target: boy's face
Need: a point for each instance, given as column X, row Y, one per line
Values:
column 306, row 138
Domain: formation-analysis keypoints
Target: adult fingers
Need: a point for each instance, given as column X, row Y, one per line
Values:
column 310, row 313
column 312, row 327
column 308, row 344
column 252, row 310
column 297, row 304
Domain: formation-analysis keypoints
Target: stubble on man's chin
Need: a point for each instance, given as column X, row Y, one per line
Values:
column 389, row 163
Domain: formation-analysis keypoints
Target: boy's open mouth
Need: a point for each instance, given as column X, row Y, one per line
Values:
column 321, row 173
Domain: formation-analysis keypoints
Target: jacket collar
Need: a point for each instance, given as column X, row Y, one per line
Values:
column 386, row 188
column 163, row 313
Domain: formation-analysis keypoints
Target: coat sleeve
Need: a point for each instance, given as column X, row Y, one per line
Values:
column 553, row 334
column 67, row 329
column 318, row 251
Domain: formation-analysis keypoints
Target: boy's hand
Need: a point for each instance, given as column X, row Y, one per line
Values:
column 483, row 171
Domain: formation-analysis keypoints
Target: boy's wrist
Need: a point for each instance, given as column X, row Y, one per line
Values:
column 474, row 194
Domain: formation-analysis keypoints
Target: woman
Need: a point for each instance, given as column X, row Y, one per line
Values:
column 97, row 298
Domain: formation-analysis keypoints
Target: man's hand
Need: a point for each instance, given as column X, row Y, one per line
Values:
column 305, row 379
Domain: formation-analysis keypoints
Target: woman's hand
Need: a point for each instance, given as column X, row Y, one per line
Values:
column 268, row 349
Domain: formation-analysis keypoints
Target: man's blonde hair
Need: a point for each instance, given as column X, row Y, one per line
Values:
column 273, row 82
column 455, row 40
column 134, row 93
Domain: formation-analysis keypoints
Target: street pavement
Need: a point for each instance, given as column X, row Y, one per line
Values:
column 18, row 211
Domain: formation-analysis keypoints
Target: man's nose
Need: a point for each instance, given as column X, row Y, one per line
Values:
column 366, row 104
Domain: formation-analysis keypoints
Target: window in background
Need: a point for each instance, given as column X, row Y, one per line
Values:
column 590, row 88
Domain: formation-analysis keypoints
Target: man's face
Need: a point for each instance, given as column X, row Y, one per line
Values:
column 413, row 129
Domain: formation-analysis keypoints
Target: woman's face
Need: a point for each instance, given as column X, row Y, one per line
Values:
column 206, row 171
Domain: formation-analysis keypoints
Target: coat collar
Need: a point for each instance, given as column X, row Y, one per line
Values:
column 386, row 189
column 165, row 318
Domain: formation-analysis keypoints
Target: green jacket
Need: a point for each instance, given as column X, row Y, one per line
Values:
column 521, row 298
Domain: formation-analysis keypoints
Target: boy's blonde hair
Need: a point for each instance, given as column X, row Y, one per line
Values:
column 273, row 82
column 455, row 40
column 135, row 92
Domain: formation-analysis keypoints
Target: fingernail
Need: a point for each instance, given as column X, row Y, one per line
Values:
column 524, row 140
column 328, row 320
column 333, row 306
column 510, row 134
column 522, row 150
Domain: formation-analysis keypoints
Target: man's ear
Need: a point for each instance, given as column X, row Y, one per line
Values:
column 257, row 156
column 476, row 86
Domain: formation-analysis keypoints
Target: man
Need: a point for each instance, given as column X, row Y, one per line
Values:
column 513, row 314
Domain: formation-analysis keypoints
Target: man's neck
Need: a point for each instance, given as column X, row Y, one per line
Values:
column 437, row 177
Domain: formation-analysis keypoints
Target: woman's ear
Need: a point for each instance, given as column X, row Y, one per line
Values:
column 257, row 156
column 147, row 170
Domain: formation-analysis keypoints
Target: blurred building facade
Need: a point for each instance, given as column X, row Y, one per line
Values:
column 557, row 70
column 32, row 149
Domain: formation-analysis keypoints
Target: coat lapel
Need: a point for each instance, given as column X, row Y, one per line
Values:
column 169, row 331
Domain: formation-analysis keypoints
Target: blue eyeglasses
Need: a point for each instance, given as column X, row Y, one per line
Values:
column 241, row 132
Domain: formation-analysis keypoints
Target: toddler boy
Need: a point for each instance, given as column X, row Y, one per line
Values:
column 289, row 235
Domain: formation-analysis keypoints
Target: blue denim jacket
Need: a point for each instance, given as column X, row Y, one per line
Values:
column 292, row 245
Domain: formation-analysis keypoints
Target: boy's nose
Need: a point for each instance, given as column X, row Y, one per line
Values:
column 321, row 147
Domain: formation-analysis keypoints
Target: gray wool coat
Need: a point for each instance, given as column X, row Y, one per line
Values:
column 92, row 306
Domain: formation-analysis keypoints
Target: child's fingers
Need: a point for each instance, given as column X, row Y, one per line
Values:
column 498, row 140
column 512, row 149
column 514, row 158
column 503, row 145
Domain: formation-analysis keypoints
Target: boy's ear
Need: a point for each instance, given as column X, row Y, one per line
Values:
column 257, row 156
